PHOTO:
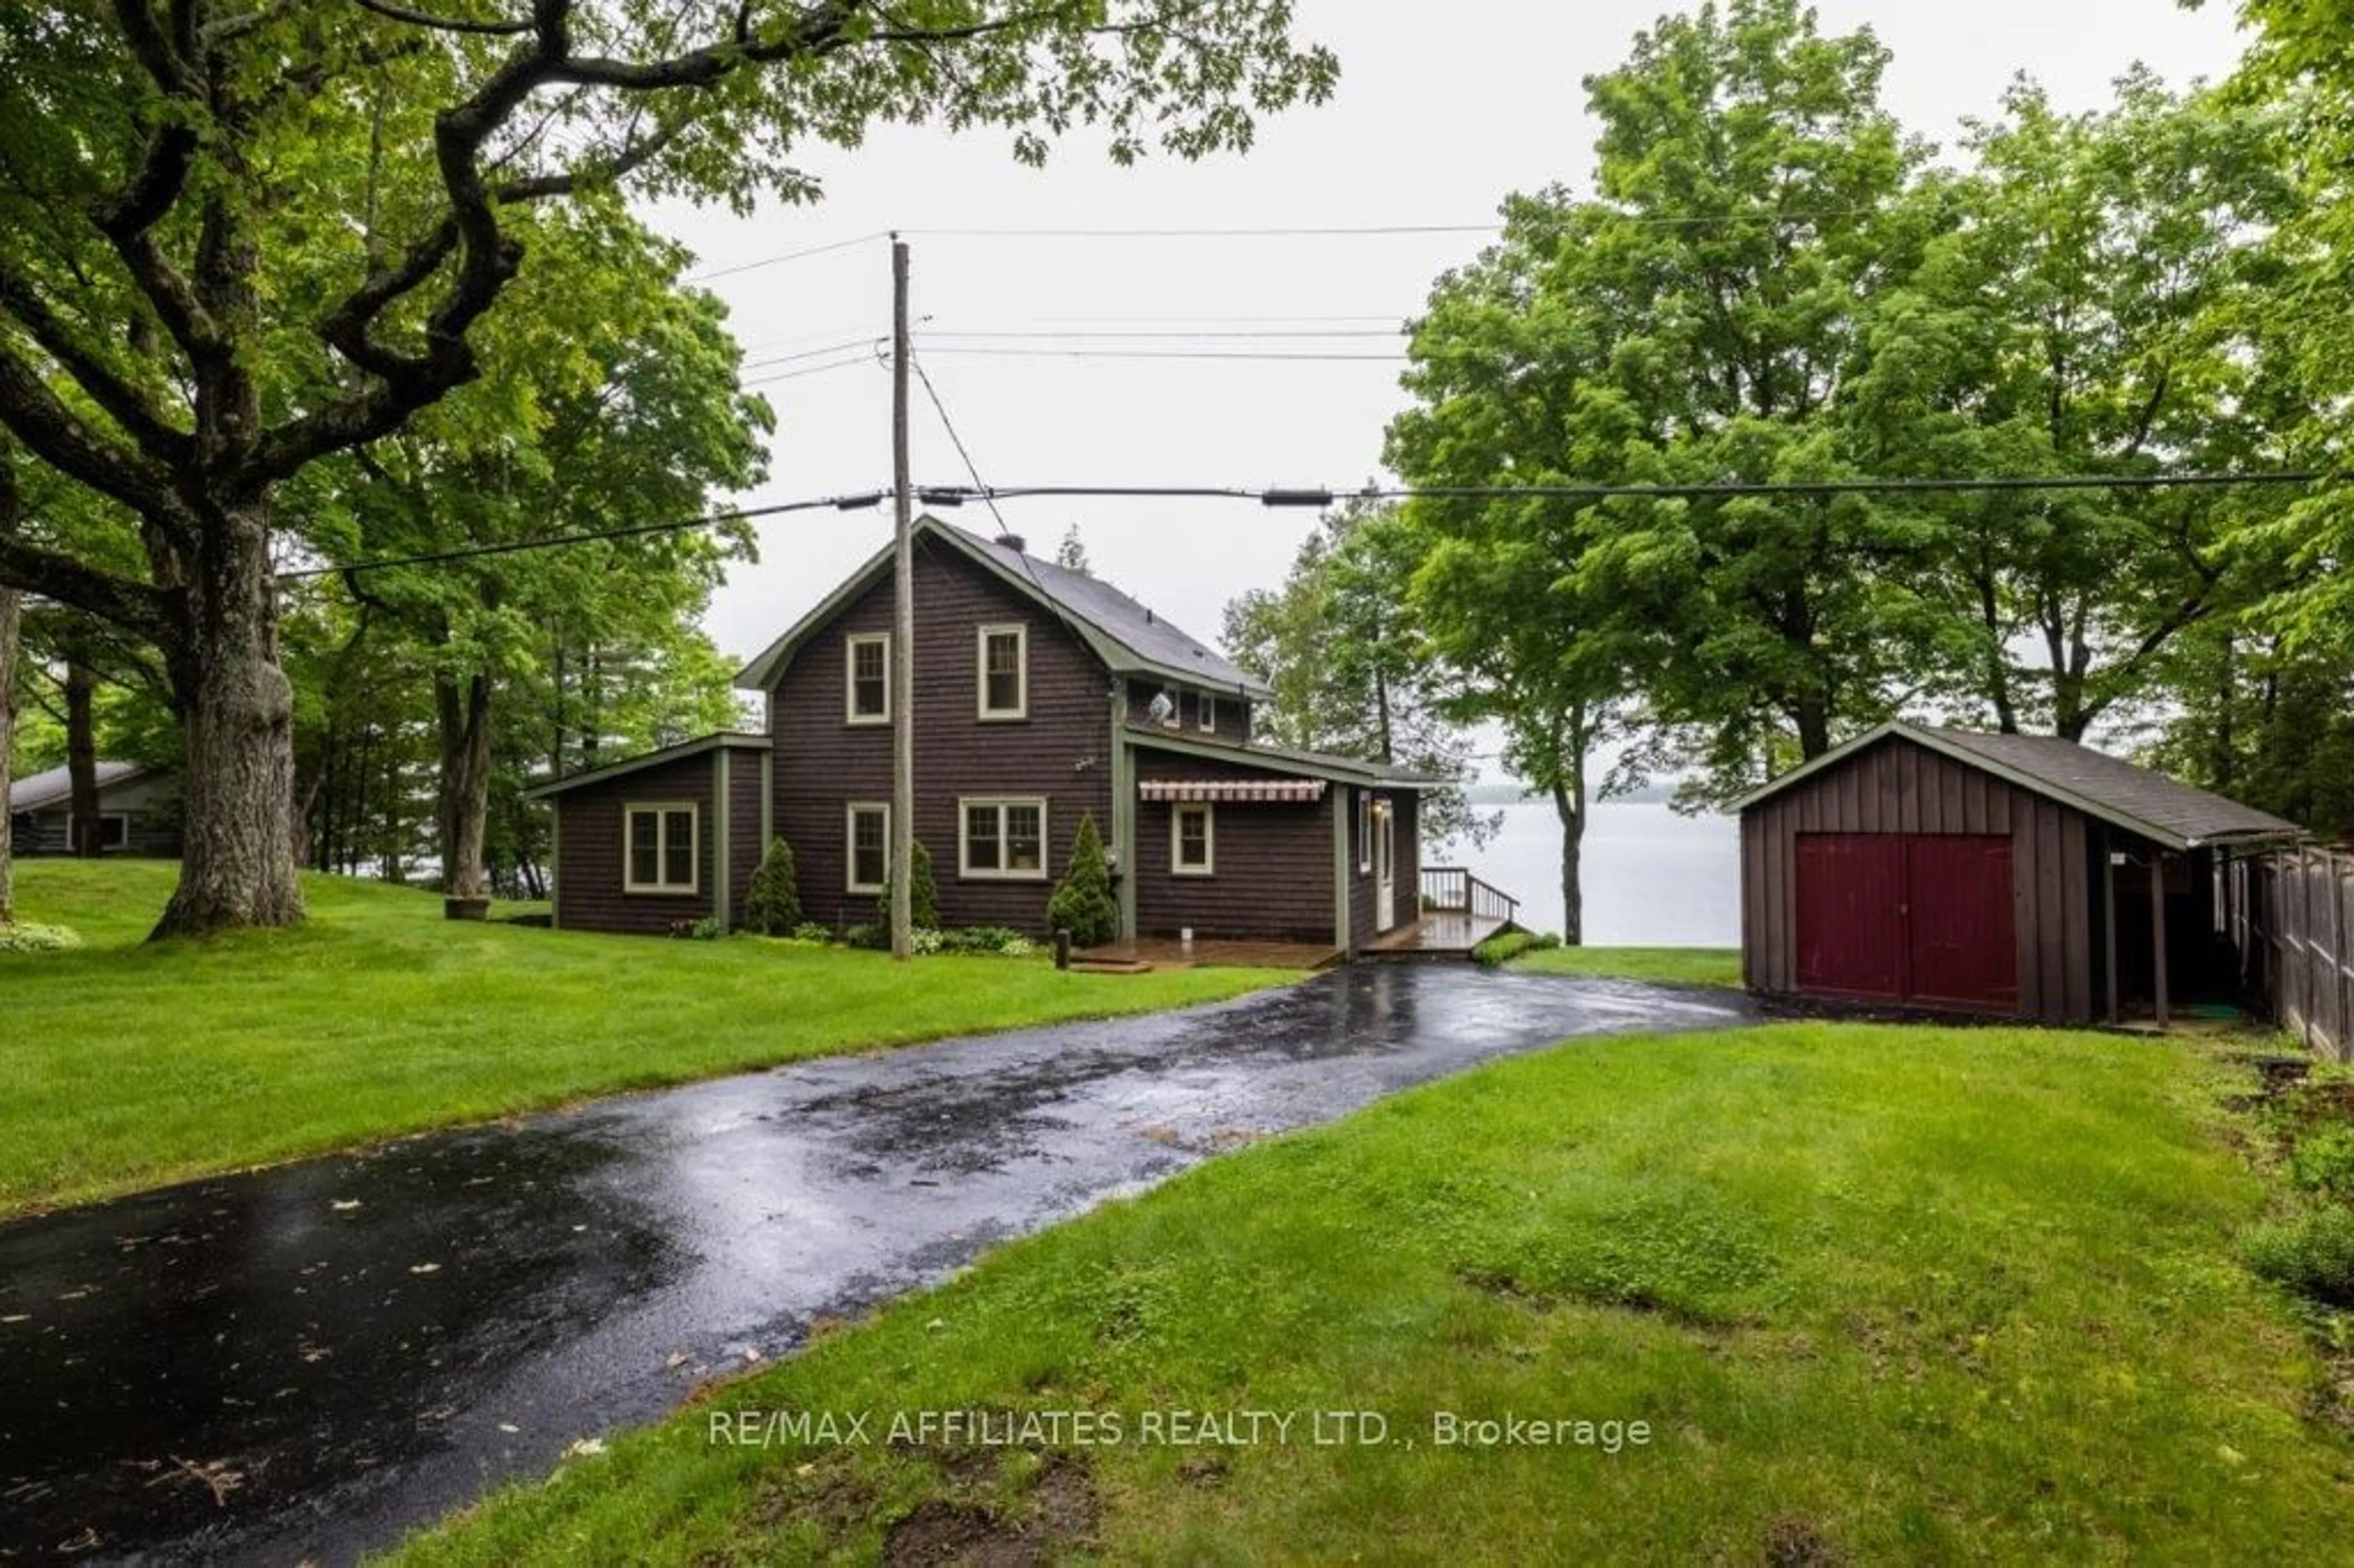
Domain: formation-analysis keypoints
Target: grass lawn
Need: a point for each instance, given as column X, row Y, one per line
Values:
column 128, row 1065
column 1879, row 1294
column 1670, row 966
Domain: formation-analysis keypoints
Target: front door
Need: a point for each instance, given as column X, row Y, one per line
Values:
column 1384, row 867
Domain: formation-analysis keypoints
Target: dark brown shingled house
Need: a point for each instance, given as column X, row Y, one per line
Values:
column 2020, row 876
column 1042, row 695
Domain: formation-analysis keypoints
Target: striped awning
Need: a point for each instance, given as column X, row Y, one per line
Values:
column 1239, row 791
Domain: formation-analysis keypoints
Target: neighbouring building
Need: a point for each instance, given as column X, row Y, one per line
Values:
column 2022, row 876
column 1042, row 696
column 138, row 811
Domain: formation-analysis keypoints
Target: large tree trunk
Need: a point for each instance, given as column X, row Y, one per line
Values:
column 85, row 823
column 465, row 806
column 1814, row 716
column 1570, row 806
column 1572, row 733
column 238, row 708
column 11, row 604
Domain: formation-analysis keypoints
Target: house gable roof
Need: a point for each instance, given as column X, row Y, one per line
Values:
column 1127, row 636
column 2139, row 800
column 701, row 745
column 54, row 786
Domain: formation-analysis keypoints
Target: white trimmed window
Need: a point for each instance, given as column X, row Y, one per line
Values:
column 1002, row 841
column 658, row 848
column 866, row 676
column 1207, row 708
column 113, row 831
column 1004, row 665
column 1193, row 839
column 1364, row 831
column 869, row 848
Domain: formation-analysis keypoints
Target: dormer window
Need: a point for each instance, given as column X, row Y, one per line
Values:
column 867, row 696
column 1004, row 686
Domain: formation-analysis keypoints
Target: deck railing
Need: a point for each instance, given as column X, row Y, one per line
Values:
column 1452, row 890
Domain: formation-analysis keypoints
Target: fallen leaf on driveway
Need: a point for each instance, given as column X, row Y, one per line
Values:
column 344, row 1206
column 424, row 1268
column 586, row 1448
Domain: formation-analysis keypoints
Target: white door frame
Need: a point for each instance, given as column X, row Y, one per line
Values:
column 1385, row 866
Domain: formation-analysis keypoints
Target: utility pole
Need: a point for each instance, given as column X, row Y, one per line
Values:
column 902, row 622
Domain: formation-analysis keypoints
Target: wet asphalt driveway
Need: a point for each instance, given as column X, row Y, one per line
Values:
column 312, row 1359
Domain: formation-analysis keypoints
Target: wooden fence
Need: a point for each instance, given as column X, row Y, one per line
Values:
column 2290, row 915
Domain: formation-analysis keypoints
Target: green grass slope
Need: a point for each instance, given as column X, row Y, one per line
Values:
column 130, row 1064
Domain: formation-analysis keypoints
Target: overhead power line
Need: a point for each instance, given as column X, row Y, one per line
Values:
column 1278, row 231
column 1277, row 496
column 1196, row 334
column 1262, row 355
column 780, row 259
column 858, row 502
column 947, row 496
column 1271, row 231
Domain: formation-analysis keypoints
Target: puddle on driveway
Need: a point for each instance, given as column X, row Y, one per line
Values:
column 315, row 1358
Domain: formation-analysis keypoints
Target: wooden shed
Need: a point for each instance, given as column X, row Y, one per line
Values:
column 2017, row 875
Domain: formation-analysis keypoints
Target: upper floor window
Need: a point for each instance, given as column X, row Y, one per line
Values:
column 1004, row 671
column 1206, row 711
column 1004, row 839
column 658, row 852
column 867, row 696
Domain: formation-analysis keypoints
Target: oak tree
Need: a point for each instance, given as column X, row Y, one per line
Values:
column 238, row 237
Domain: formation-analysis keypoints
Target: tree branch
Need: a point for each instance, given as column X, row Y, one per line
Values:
column 134, row 605
column 33, row 412
column 445, row 24
column 129, row 408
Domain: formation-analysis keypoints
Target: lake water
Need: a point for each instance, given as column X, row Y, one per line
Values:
column 1653, row 878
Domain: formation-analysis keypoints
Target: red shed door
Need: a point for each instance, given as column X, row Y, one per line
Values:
column 1961, row 948
column 1851, row 915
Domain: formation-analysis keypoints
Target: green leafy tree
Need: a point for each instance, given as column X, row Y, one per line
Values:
column 1082, row 902
column 923, row 895
column 1692, row 323
column 1351, row 670
column 772, row 900
column 238, row 242
column 2265, row 718
column 631, row 413
column 2092, row 307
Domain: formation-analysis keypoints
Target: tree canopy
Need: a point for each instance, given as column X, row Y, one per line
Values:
column 239, row 242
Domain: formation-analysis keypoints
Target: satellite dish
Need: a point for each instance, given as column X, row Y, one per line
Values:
column 1163, row 709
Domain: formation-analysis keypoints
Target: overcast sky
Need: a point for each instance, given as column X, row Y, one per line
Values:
column 1440, row 113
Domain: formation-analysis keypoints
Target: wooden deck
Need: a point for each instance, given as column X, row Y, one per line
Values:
column 1441, row 933
column 1162, row 954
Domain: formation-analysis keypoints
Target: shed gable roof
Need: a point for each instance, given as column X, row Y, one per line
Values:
column 54, row 786
column 2139, row 799
column 1129, row 638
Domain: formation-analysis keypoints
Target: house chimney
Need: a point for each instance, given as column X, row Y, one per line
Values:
column 1014, row 541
